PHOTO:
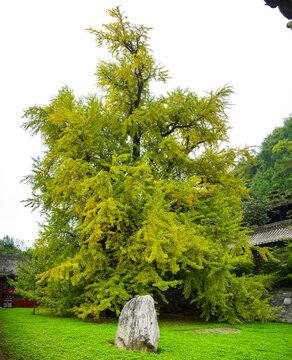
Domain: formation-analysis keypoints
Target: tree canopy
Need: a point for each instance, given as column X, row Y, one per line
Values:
column 284, row 6
column 9, row 245
column 138, row 192
column 270, row 177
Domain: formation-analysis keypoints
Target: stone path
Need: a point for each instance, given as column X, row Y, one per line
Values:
column 225, row 330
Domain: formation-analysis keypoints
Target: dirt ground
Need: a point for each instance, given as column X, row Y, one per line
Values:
column 2, row 356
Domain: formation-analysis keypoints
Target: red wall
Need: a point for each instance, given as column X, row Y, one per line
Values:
column 14, row 298
column 22, row 303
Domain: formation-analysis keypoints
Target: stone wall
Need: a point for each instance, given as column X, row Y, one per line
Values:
column 283, row 297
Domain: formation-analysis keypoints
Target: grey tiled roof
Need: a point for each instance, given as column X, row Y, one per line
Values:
column 8, row 264
column 271, row 233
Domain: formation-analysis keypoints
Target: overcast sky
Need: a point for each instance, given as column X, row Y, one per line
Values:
column 204, row 44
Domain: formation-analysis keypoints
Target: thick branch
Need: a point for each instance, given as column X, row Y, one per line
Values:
column 136, row 146
column 139, row 93
column 140, row 86
column 175, row 126
column 129, row 46
column 114, row 82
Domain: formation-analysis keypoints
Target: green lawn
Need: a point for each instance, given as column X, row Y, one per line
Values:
column 41, row 337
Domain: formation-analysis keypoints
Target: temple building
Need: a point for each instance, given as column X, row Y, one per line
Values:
column 272, row 234
column 9, row 296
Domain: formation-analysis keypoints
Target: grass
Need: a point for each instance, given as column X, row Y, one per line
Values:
column 42, row 337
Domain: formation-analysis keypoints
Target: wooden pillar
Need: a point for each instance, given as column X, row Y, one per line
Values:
column 258, row 260
column 1, row 290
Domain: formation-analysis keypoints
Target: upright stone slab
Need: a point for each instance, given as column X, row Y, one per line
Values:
column 138, row 326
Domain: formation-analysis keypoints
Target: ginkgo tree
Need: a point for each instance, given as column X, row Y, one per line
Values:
column 137, row 191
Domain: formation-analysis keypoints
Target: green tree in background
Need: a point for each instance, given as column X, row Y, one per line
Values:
column 9, row 245
column 138, row 196
column 271, row 176
column 255, row 211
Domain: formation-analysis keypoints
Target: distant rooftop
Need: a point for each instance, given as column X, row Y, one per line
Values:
column 272, row 233
column 8, row 264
